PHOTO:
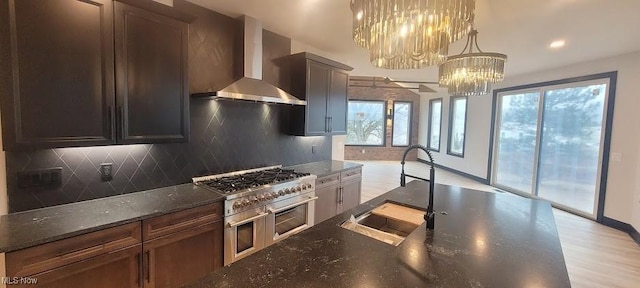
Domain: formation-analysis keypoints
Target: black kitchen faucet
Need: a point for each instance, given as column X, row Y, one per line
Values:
column 429, row 216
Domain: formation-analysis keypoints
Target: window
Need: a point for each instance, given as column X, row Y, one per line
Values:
column 365, row 123
column 435, row 124
column 457, row 126
column 401, row 124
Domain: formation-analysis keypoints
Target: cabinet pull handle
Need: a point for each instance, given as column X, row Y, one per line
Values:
column 330, row 124
column 109, row 122
column 121, row 121
column 326, row 124
column 148, row 272
column 140, row 270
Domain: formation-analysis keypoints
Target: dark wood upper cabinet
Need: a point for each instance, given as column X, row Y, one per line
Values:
column 337, row 101
column 64, row 83
column 56, row 73
column 151, row 76
column 323, row 84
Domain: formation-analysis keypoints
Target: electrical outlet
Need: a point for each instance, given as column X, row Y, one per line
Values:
column 314, row 148
column 106, row 171
column 362, row 151
column 49, row 178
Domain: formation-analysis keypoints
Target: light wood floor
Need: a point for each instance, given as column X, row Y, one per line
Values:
column 596, row 255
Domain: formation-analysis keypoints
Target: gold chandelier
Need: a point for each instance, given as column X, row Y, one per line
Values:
column 409, row 34
column 471, row 74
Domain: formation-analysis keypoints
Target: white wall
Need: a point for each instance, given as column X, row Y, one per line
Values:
column 623, row 190
column 297, row 47
column 477, row 135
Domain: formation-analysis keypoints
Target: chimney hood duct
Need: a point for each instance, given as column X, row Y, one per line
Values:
column 251, row 87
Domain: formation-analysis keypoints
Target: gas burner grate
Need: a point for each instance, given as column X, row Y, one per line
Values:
column 230, row 184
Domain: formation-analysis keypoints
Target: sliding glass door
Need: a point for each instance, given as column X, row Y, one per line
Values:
column 516, row 141
column 570, row 145
column 549, row 142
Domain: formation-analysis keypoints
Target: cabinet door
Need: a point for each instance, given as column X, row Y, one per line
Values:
column 351, row 191
column 151, row 76
column 337, row 105
column 116, row 269
column 181, row 258
column 56, row 80
column 317, row 93
column 327, row 203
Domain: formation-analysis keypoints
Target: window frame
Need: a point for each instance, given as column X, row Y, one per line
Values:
column 439, row 126
column 384, row 123
column 409, row 126
column 450, row 128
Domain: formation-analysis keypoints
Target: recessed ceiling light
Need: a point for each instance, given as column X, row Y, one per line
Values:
column 557, row 44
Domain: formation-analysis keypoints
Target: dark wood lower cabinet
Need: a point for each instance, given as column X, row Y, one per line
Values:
column 326, row 203
column 174, row 250
column 181, row 258
column 337, row 193
column 116, row 269
column 350, row 194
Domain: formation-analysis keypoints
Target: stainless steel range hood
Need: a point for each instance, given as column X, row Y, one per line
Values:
column 251, row 87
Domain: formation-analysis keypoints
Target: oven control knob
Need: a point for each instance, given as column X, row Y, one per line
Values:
column 281, row 193
column 304, row 186
column 298, row 188
column 309, row 186
column 287, row 191
column 274, row 195
column 253, row 199
column 237, row 204
column 262, row 197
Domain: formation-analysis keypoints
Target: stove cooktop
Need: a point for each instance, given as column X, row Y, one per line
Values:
column 235, row 183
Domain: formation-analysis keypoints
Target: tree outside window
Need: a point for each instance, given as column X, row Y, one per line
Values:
column 365, row 123
column 401, row 123
column 457, row 126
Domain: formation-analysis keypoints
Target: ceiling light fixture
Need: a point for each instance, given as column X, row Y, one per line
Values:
column 409, row 34
column 471, row 73
column 557, row 44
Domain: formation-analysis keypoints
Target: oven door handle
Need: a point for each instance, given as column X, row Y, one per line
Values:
column 234, row 224
column 273, row 211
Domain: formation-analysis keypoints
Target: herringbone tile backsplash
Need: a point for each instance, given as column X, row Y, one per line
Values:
column 225, row 136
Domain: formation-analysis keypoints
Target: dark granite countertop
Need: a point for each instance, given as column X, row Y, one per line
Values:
column 34, row 227
column 485, row 240
column 324, row 168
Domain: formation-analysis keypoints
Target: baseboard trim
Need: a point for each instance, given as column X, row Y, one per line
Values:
column 624, row 227
column 454, row 171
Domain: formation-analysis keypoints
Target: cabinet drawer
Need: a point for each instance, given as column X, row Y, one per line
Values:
column 48, row 256
column 328, row 180
column 178, row 221
column 351, row 174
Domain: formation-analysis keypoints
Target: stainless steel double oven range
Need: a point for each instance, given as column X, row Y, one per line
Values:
column 262, row 206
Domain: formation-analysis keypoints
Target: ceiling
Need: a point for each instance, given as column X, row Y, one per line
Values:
column 522, row 29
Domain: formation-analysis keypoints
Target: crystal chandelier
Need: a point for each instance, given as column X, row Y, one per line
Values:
column 409, row 34
column 471, row 74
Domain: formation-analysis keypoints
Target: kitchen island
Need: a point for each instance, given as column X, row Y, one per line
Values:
column 481, row 240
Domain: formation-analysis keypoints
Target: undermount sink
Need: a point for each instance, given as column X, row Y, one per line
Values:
column 390, row 223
